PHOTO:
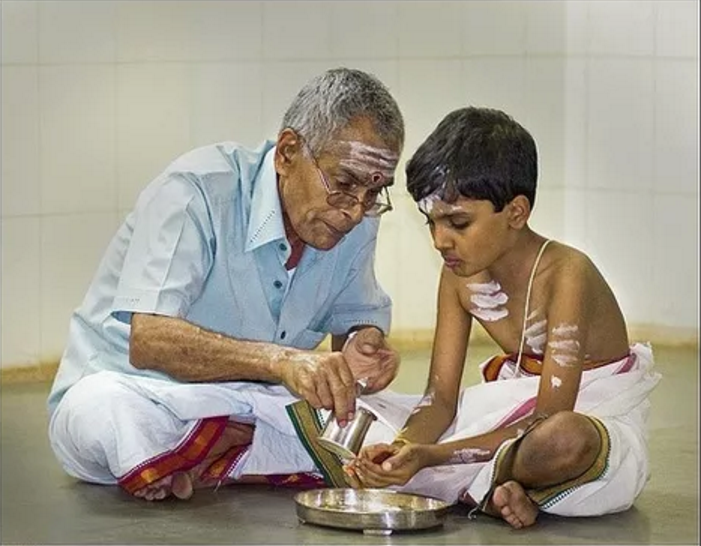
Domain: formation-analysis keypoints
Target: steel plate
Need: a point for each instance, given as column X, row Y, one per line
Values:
column 369, row 510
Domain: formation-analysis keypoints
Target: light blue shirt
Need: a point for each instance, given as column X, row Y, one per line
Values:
column 206, row 243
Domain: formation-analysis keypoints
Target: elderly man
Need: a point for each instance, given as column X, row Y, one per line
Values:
column 214, row 293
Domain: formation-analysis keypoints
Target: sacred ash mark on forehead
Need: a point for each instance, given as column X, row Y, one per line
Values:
column 377, row 165
column 427, row 203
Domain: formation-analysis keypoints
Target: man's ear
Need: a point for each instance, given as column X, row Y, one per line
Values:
column 287, row 148
column 519, row 211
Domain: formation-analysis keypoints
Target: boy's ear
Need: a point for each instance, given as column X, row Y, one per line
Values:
column 519, row 211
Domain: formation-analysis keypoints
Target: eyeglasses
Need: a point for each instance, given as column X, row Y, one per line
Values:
column 373, row 205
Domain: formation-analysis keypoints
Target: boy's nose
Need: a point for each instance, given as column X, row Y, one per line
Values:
column 441, row 240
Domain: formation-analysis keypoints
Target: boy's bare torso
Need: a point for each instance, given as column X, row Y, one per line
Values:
column 498, row 304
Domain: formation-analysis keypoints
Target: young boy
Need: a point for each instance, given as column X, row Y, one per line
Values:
column 558, row 423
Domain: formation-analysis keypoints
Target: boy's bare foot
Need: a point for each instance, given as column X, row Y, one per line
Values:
column 511, row 503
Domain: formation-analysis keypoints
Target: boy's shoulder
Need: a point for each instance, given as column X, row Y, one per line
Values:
column 567, row 266
column 565, row 256
column 559, row 264
column 567, row 259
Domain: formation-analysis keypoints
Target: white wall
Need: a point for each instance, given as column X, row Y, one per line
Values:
column 97, row 97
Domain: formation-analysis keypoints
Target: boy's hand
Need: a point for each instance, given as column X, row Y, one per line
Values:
column 382, row 465
column 370, row 357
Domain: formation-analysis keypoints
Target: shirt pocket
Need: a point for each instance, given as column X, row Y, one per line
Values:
column 309, row 339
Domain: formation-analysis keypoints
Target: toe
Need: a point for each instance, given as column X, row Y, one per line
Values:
column 182, row 486
column 160, row 494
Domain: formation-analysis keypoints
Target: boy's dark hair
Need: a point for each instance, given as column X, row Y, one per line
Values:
column 478, row 153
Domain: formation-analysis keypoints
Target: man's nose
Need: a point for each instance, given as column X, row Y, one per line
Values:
column 355, row 213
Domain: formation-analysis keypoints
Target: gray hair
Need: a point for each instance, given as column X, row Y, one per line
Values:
column 330, row 101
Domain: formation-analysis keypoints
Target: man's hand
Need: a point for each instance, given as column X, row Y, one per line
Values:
column 382, row 465
column 371, row 358
column 322, row 379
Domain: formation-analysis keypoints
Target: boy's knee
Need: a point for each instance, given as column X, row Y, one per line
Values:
column 566, row 440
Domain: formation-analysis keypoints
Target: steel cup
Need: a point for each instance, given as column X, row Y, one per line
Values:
column 347, row 441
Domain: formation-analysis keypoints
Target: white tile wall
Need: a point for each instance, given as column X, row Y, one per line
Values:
column 620, row 124
column 71, row 249
column 495, row 28
column 20, row 141
column 674, row 257
column 677, row 126
column 222, row 30
column 21, row 296
column 365, row 30
column 227, row 102
column 153, row 30
column 677, row 28
column 98, row 97
column 575, row 219
column 619, row 231
column 623, row 27
column 77, row 113
column 153, row 123
column 428, row 29
column 415, row 306
column 546, row 29
column 577, row 26
column 296, row 30
column 548, row 215
column 419, row 79
column 576, row 123
column 496, row 83
column 544, row 117
column 387, row 256
column 77, row 31
column 19, row 31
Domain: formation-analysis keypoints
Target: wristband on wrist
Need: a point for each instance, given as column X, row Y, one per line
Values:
column 401, row 440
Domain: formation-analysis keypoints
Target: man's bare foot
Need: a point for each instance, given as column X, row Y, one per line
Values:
column 511, row 503
column 182, row 484
column 157, row 490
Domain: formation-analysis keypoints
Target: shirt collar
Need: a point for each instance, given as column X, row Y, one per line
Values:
column 265, row 224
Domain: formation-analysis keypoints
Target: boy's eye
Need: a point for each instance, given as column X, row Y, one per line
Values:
column 459, row 225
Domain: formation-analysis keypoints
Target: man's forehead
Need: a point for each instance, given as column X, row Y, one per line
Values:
column 374, row 165
column 364, row 150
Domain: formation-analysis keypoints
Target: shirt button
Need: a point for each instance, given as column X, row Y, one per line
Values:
column 277, row 284
column 283, row 334
column 283, row 247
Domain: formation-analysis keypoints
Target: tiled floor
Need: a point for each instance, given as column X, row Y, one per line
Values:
column 41, row 505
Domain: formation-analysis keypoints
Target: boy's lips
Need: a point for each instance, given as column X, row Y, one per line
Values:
column 451, row 261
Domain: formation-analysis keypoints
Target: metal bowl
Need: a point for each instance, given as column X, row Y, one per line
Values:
column 374, row 511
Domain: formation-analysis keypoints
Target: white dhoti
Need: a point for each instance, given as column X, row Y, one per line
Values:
column 614, row 396
column 115, row 428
